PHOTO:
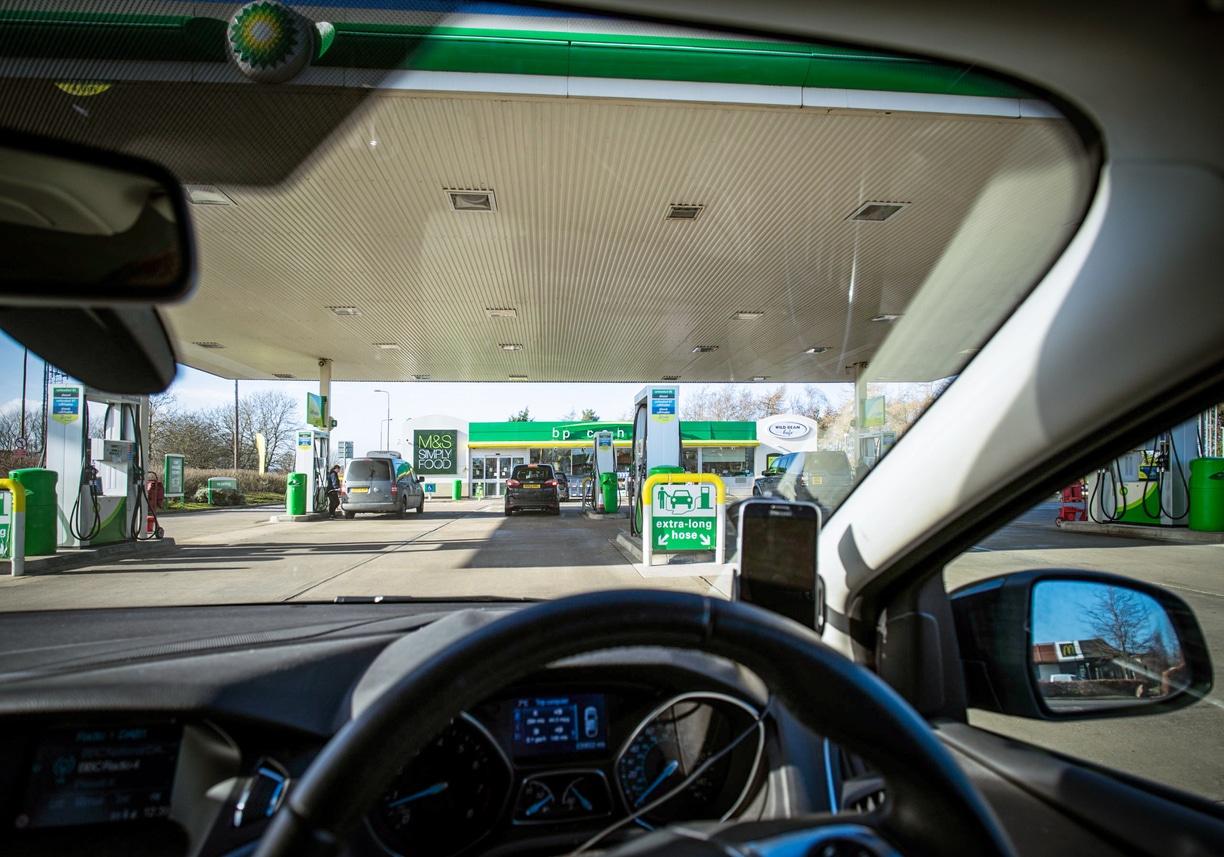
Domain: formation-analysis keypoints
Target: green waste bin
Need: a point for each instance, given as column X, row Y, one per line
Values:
column 457, row 491
column 42, row 509
column 607, row 484
column 295, row 494
column 1206, row 495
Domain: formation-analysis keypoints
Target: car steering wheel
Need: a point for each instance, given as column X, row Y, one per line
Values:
column 930, row 807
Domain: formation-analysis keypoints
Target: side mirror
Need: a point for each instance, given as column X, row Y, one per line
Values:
column 420, row 479
column 1069, row 644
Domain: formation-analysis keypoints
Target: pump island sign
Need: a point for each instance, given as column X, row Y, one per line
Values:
column 434, row 452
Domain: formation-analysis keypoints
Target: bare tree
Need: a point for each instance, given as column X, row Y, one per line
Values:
column 194, row 435
column 1120, row 618
column 724, row 402
column 205, row 438
column 274, row 414
column 811, row 402
column 10, row 431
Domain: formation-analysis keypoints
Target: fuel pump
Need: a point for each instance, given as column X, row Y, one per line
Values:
column 313, row 453
column 656, row 442
column 1148, row 485
column 102, row 496
column 603, row 483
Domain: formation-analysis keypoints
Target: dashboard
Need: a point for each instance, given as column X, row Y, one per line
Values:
column 591, row 749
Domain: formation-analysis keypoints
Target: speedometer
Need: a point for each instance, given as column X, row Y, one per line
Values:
column 675, row 743
column 448, row 797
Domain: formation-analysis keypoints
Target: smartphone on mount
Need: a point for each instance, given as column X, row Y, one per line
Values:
column 777, row 560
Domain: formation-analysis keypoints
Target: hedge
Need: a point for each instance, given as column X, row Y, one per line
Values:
column 249, row 481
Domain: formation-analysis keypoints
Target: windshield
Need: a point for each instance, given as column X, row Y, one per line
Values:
column 490, row 237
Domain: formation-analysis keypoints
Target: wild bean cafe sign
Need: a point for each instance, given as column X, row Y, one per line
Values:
column 788, row 430
column 435, row 453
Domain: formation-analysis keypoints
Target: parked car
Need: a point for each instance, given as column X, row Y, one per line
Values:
column 818, row 476
column 532, row 486
column 381, row 483
column 563, row 487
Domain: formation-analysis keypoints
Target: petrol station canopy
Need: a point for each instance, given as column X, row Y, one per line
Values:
column 590, row 201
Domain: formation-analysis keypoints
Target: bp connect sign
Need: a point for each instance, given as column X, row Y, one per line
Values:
column 684, row 517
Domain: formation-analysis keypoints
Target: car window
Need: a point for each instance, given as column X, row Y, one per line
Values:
column 1100, row 523
column 830, row 462
column 369, row 469
column 532, row 473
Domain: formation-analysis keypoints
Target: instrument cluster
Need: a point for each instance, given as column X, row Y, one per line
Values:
column 573, row 762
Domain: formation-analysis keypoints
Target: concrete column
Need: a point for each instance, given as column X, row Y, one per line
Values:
column 860, row 409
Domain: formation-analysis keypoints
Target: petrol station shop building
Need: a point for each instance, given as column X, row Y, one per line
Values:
column 481, row 455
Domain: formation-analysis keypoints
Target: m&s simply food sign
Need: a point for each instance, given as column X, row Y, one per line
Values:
column 435, row 452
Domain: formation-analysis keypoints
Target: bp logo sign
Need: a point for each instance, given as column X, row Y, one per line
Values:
column 270, row 43
column 435, row 452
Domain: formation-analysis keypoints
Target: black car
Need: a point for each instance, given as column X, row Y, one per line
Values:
column 532, row 486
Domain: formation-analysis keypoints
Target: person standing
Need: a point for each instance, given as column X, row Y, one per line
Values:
column 333, row 490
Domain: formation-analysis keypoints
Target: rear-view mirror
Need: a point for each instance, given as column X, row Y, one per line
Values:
column 89, row 227
column 1069, row 644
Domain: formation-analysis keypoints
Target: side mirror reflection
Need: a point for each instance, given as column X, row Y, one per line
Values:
column 1096, row 645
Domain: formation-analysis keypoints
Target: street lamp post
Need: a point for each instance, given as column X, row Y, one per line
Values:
column 386, row 445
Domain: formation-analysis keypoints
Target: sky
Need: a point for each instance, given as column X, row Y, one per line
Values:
column 1059, row 608
column 360, row 411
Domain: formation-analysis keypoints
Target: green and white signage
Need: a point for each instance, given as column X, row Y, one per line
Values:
column 435, row 453
column 173, row 480
column 684, row 517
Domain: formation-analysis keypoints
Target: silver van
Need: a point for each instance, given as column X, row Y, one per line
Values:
column 381, row 482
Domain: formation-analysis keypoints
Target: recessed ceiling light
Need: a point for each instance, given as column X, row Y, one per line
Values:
column 206, row 194
column 671, row 377
column 510, row 346
column 281, row 375
column 747, row 316
column 422, row 377
column 705, row 349
column 345, row 310
column 518, row 377
column 471, row 200
column 683, row 212
column 387, row 346
column 885, row 316
column 817, row 349
column 209, row 344
column 760, row 377
column 876, row 212
column 501, row 312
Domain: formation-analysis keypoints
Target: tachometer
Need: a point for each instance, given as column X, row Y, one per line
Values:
column 677, row 740
column 448, row 797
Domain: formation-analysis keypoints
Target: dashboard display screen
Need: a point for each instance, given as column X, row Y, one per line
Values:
column 544, row 725
column 100, row 774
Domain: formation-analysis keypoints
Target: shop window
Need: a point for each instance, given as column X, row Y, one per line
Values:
column 688, row 460
column 727, row 461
